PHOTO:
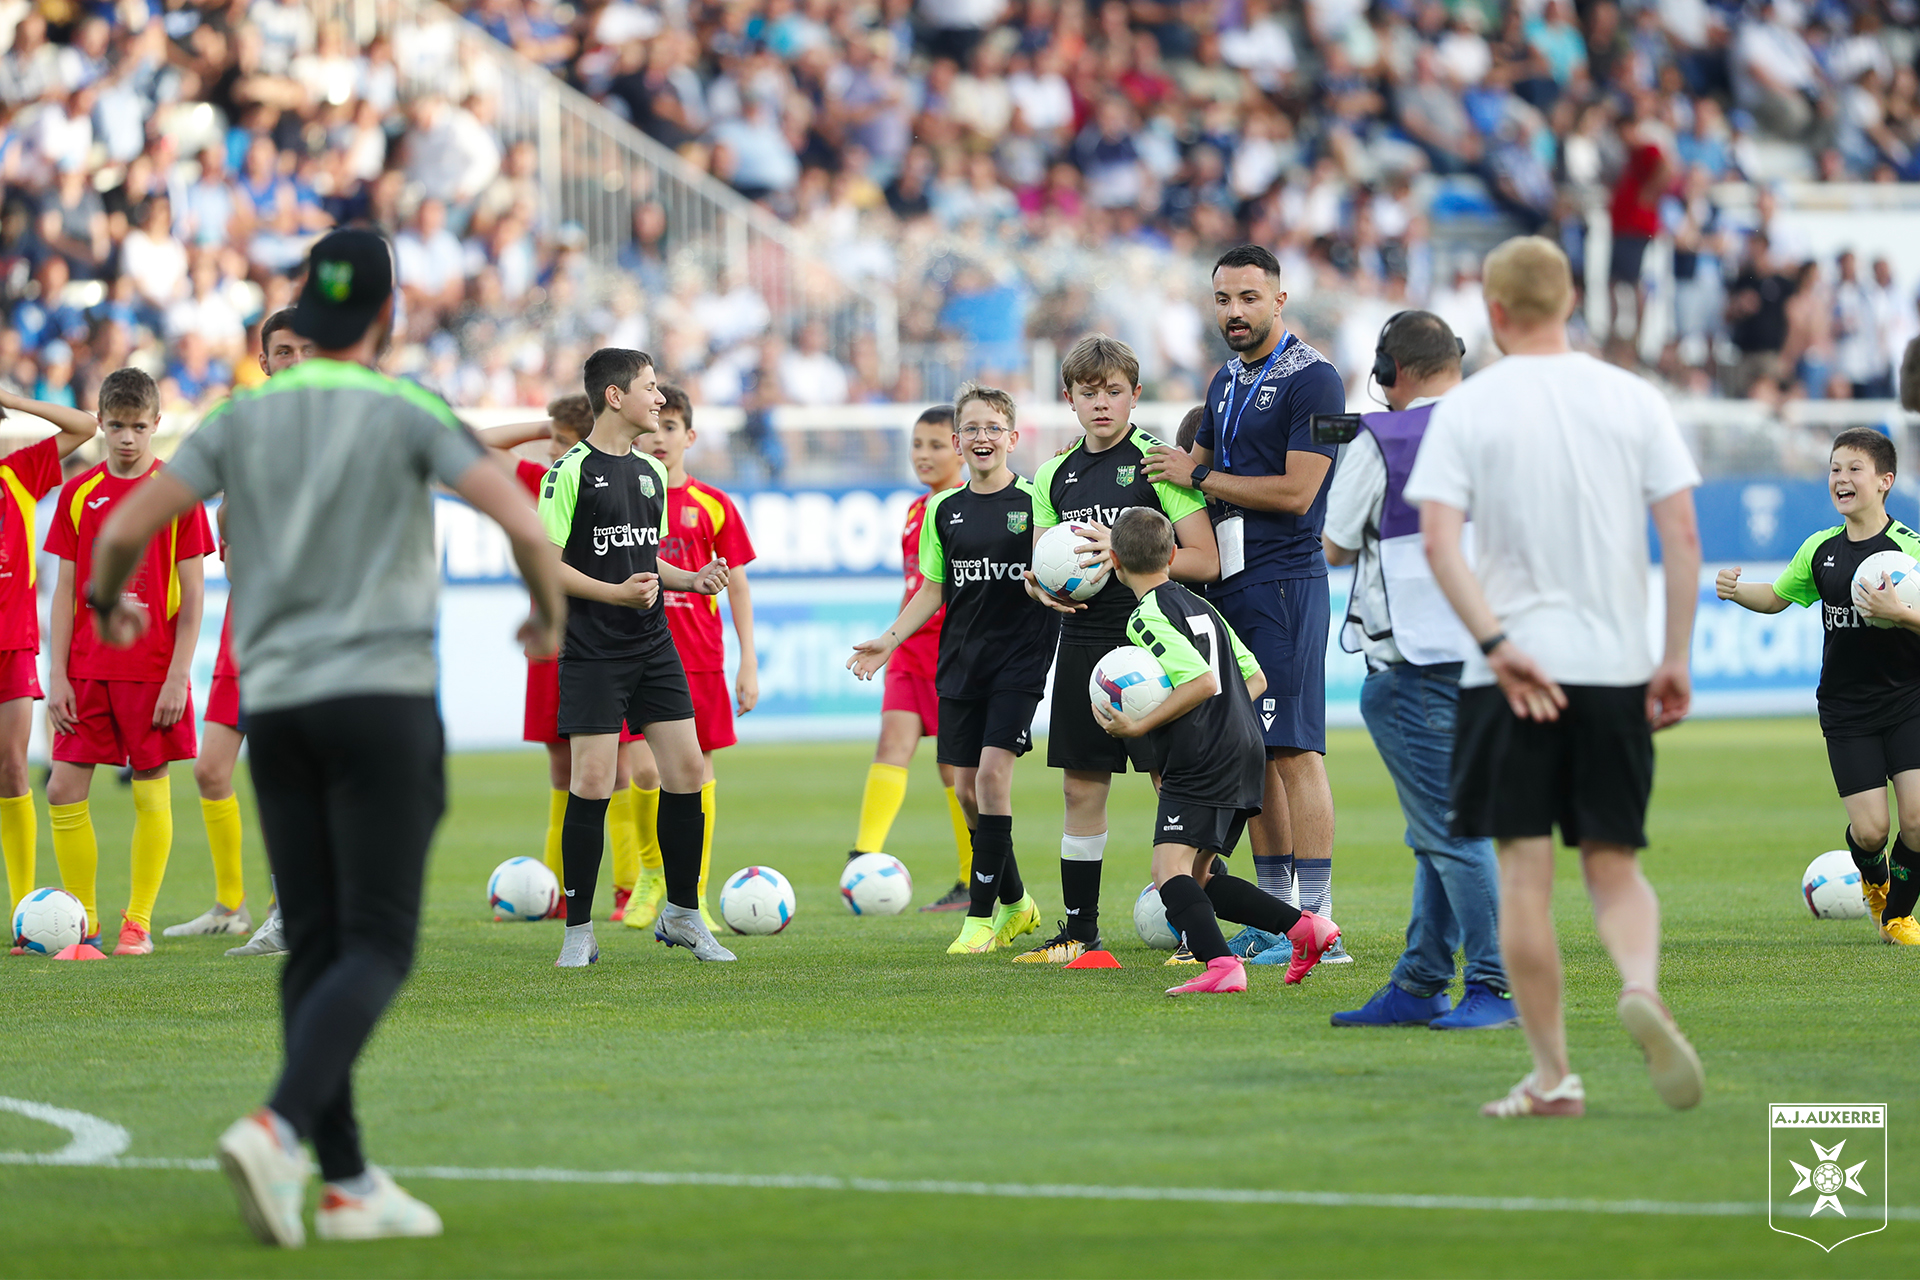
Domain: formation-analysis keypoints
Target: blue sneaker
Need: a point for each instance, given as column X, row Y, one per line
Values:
column 1481, row 1008
column 1250, row 942
column 1281, row 952
column 1392, row 1007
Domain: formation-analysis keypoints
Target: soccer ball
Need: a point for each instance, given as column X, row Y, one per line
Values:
column 1129, row 679
column 48, row 920
column 756, row 900
column 876, row 884
column 522, row 889
column 1898, row 567
column 1150, row 921
column 1060, row 568
column 1832, row 887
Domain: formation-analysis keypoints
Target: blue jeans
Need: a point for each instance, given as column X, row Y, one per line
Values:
column 1409, row 710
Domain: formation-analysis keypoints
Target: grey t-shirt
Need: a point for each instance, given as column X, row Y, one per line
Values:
column 329, row 529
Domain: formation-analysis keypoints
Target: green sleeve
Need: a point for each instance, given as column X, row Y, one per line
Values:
column 666, row 499
column 1242, row 659
column 1044, row 514
column 1150, row 629
column 933, row 555
column 1905, row 539
column 1177, row 501
column 558, row 496
column 1796, row 584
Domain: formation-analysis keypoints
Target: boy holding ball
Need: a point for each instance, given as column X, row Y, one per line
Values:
column 1869, row 675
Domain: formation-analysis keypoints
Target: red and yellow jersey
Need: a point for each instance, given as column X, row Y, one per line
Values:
column 919, row 652
column 702, row 523
column 26, row 476
column 530, row 474
column 85, row 503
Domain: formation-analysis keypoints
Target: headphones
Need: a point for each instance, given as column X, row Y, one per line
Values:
column 1385, row 371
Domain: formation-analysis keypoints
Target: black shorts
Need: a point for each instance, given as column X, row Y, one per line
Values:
column 597, row 695
column 1865, row 762
column 970, row 725
column 1074, row 739
column 1200, row 826
column 1590, row 772
column 1624, row 264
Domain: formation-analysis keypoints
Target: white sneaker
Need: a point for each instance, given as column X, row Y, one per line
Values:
column 384, row 1213
column 215, row 919
column 1671, row 1062
column 686, row 929
column 1337, row 953
column 269, row 1181
column 577, row 948
column 270, row 939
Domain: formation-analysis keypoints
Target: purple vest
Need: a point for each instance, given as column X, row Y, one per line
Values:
column 1399, row 436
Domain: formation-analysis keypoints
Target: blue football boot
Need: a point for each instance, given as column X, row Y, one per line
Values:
column 1392, row 1007
column 1481, row 1008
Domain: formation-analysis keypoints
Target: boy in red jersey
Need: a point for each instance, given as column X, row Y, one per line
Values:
column 910, row 709
column 226, row 728
column 26, row 476
column 122, row 706
column 702, row 523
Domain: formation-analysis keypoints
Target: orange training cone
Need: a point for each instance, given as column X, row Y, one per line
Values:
column 1095, row 960
column 80, row 951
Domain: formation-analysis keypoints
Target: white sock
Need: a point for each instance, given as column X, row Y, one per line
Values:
column 1083, row 848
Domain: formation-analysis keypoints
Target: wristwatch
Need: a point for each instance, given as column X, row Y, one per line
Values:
column 1201, row 471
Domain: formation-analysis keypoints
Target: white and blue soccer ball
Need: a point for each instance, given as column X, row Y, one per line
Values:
column 1898, row 568
column 876, row 884
column 522, row 889
column 48, row 921
column 1832, row 887
column 1129, row 679
column 1059, row 567
column 1150, row 921
column 756, row 900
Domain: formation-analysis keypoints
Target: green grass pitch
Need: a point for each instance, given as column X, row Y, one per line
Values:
column 855, row 1048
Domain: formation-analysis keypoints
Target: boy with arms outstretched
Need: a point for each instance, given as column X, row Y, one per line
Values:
column 26, row 476
column 1090, row 485
column 113, row 706
column 604, row 504
column 910, row 710
column 994, row 649
column 1205, row 740
column 1869, row 676
column 702, row 525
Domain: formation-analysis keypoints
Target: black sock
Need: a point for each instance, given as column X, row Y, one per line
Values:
column 1191, row 916
column 1903, row 882
column 1871, row 862
column 992, row 847
column 1012, row 887
column 681, row 828
column 583, row 833
column 1080, row 893
column 1243, row 902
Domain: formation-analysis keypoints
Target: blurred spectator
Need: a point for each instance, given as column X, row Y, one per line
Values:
column 1757, row 316
column 429, row 264
column 808, row 374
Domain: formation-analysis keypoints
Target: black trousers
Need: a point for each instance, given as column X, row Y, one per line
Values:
column 350, row 791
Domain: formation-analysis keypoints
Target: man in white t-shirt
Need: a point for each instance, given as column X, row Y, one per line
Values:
column 1557, row 458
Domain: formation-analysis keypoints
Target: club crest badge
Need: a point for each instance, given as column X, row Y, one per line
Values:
column 1016, row 522
column 1123, row 476
column 1827, row 1171
column 646, row 485
column 1264, row 400
column 336, row 280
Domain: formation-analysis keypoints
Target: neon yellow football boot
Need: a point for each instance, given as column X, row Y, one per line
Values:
column 643, row 908
column 1009, row 922
column 976, row 938
column 1902, row 931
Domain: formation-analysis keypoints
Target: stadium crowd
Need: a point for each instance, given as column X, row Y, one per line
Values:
column 1010, row 171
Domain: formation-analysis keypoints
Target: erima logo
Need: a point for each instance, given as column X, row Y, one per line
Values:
column 985, row 571
column 1172, row 823
column 96, row 504
column 623, row 535
column 1073, row 477
column 1828, row 564
column 599, row 482
column 954, row 518
column 982, row 877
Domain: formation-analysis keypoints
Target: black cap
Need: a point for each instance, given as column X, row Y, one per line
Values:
column 349, row 277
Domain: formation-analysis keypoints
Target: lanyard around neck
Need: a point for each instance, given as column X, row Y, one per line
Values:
column 1231, row 427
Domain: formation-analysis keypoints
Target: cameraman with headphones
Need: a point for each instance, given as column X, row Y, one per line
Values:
column 1414, row 646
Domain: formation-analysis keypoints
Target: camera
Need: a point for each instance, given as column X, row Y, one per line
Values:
column 1335, row 428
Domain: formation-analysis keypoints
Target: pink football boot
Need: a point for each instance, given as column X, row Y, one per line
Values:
column 1310, row 938
column 1221, row 975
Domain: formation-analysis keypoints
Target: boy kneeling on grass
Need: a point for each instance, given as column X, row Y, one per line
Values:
column 1211, row 760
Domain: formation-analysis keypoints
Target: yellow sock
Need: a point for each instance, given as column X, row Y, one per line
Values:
column 625, row 839
column 152, row 846
column 706, row 839
column 78, row 853
column 223, row 842
column 17, row 835
column 962, row 836
column 646, row 825
column 556, row 814
column 879, row 806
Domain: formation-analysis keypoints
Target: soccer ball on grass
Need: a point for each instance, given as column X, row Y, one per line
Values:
column 47, row 921
column 756, row 900
column 876, row 884
column 522, row 889
column 1832, row 887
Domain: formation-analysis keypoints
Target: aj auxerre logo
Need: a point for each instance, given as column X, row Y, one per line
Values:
column 606, row 537
column 1827, row 1170
column 985, row 571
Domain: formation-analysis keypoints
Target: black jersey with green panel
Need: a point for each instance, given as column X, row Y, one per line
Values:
column 1869, row 676
column 1083, row 485
column 1215, row 754
column 996, row 637
column 607, row 513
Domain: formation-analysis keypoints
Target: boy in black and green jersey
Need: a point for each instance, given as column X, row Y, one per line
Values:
column 975, row 544
column 605, row 506
column 1869, row 672
column 1089, row 486
column 1211, row 755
